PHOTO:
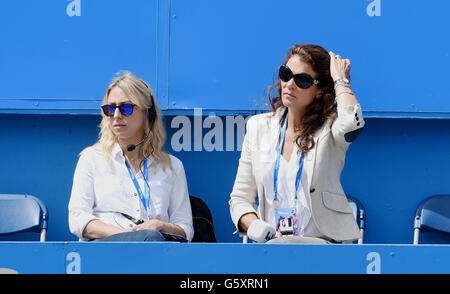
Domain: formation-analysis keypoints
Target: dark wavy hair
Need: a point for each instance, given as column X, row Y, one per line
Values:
column 322, row 107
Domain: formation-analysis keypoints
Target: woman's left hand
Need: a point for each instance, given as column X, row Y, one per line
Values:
column 339, row 68
column 153, row 224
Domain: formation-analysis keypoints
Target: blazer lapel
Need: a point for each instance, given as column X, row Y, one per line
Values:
column 311, row 155
column 310, row 159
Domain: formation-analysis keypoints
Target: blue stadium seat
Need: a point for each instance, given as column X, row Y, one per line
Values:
column 22, row 213
column 359, row 212
column 432, row 213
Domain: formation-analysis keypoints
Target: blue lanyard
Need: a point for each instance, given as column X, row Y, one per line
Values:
column 144, row 198
column 277, row 164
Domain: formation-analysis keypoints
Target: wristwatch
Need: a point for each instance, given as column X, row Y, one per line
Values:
column 342, row 80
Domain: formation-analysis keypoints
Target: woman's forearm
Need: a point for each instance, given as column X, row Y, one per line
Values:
column 246, row 220
column 345, row 96
column 160, row 226
column 97, row 229
column 173, row 229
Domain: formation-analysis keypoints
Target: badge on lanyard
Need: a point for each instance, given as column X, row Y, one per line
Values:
column 286, row 217
column 286, row 221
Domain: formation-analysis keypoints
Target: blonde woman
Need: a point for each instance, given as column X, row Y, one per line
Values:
column 125, row 187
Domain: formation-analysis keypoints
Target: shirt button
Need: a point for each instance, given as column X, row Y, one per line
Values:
column 135, row 194
column 358, row 124
column 312, row 190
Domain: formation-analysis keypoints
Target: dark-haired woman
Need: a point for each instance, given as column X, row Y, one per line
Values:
column 292, row 157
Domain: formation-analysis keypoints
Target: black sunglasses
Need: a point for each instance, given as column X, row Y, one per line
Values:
column 125, row 109
column 302, row 80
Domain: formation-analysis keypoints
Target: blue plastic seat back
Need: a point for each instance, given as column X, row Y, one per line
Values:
column 19, row 213
column 359, row 212
column 434, row 213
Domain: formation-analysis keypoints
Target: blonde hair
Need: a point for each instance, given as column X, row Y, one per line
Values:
column 139, row 93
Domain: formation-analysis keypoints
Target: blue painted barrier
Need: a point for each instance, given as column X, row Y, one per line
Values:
column 203, row 258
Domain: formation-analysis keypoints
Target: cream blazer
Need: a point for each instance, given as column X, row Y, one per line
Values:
column 323, row 166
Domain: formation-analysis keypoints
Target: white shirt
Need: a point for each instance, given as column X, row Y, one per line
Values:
column 286, row 192
column 103, row 189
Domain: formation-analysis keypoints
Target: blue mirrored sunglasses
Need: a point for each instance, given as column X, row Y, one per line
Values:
column 125, row 109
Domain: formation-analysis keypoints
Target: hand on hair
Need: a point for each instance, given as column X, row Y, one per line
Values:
column 339, row 68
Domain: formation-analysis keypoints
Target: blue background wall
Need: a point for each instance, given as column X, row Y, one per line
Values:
column 220, row 56
column 391, row 167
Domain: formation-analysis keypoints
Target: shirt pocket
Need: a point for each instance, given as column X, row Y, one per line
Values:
column 108, row 191
column 336, row 202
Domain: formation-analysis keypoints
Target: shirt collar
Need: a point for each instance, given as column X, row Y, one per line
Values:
column 280, row 111
column 277, row 115
column 117, row 151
